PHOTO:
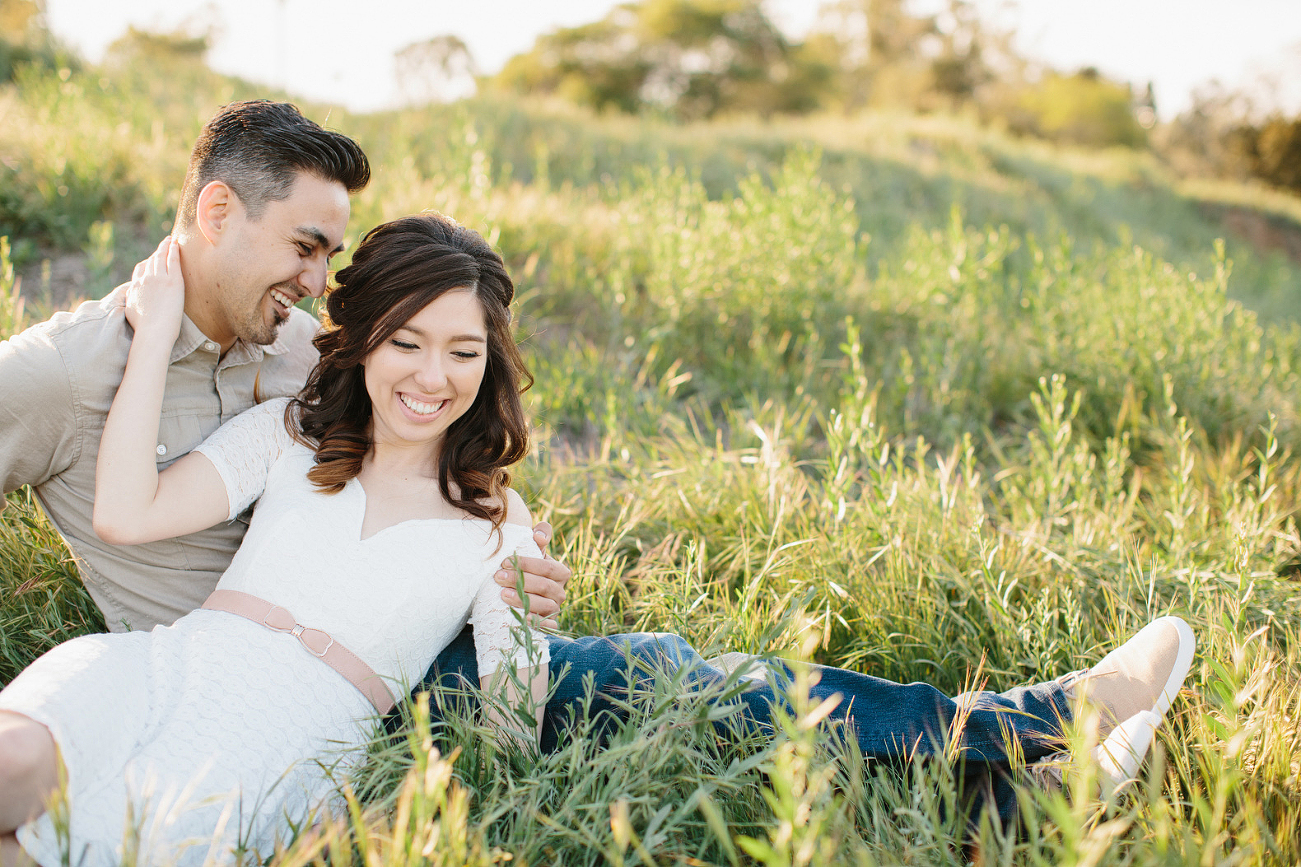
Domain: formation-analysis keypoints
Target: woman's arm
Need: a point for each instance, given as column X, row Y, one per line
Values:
column 134, row 503
column 525, row 694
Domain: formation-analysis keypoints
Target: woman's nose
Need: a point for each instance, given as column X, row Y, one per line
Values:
column 430, row 376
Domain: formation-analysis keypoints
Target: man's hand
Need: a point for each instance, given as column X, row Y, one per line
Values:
column 544, row 580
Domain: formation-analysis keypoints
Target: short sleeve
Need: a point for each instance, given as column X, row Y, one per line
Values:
column 38, row 423
column 245, row 448
column 499, row 635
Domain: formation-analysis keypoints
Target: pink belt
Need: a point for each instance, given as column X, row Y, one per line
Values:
column 317, row 642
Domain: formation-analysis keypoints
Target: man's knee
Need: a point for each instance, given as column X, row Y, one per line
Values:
column 606, row 656
column 662, row 650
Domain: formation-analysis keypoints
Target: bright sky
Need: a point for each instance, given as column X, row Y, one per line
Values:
column 337, row 51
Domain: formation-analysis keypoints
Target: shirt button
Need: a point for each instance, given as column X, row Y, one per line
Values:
column 162, row 449
column 210, row 346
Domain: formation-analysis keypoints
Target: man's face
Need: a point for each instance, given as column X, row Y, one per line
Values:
column 268, row 265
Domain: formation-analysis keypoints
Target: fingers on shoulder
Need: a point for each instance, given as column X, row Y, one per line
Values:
column 516, row 511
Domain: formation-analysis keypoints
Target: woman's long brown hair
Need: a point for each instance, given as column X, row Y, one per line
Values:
column 399, row 268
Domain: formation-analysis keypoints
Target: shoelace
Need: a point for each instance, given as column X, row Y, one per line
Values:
column 1047, row 774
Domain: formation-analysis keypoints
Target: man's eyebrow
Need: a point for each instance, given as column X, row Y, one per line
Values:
column 318, row 238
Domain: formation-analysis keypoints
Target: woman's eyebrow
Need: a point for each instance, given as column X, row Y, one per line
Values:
column 474, row 338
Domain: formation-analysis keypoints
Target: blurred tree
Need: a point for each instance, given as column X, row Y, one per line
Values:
column 25, row 38
column 435, row 70
column 184, row 46
column 1229, row 133
column 686, row 58
column 970, row 54
column 884, row 54
column 20, row 18
column 590, row 65
column 880, row 50
column 1145, row 108
column 1085, row 108
column 1271, row 150
column 1214, row 136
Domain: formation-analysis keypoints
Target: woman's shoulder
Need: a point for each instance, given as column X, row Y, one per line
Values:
column 273, row 408
column 265, row 423
column 517, row 511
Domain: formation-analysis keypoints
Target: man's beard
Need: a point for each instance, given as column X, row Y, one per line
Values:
column 258, row 333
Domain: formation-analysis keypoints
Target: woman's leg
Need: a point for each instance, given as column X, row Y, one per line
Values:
column 11, row 854
column 29, row 770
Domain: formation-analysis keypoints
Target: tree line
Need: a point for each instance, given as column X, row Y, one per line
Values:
column 697, row 59
column 691, row 60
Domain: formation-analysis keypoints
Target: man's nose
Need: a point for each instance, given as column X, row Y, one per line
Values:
column 312, row 277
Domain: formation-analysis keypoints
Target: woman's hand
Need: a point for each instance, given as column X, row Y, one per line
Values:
column 155, row 299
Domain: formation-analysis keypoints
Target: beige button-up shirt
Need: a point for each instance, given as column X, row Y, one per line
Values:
column 57, row 382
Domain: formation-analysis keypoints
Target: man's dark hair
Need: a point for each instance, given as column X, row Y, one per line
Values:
column 258, row 147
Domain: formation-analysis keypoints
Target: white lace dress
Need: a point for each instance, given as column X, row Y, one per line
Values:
column 217, row 732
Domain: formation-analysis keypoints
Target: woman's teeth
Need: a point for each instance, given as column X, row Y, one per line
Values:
column 420, row 407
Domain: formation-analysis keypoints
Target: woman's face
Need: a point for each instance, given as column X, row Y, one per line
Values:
column 427, row 374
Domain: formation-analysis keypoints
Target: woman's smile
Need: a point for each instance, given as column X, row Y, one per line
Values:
column 421, row 408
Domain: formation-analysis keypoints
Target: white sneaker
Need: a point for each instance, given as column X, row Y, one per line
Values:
column 1121, row 755
column 1118, row 758
column 1144, row 673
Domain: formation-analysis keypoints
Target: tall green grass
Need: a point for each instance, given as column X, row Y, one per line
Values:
column 791, row 400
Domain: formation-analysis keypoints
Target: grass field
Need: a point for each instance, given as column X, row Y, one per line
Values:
column 890, row 393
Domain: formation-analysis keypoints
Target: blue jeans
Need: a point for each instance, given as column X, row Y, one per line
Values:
column 891, row 722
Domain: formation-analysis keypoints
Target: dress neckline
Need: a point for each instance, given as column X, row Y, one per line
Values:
column 356, row 484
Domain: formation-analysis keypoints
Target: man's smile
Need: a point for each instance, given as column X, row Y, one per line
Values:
column 284, row 299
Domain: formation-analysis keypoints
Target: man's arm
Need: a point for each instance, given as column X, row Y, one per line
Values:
column 544, row 580
column 38, row 423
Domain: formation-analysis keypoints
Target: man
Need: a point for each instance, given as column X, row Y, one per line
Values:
column 263, row 208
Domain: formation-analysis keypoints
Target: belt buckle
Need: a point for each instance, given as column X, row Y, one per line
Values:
column 266, row 619
column 299, row 631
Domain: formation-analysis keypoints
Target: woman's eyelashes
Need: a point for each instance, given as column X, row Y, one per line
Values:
column 408, row 346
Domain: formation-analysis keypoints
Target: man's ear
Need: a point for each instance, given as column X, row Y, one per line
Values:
column 217, row 204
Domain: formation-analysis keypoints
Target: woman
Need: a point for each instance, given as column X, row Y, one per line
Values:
column 219, row 728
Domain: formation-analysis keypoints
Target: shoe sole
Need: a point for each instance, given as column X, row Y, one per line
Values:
column 1122, row 754
column 1183, row 662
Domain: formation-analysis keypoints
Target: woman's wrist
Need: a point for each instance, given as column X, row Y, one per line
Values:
column 151, row 342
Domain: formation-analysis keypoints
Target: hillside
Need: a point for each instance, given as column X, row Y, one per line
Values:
column 90, row 150
column 898, row 394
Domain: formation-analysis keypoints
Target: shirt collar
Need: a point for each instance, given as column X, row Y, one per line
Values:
column 192, row 339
